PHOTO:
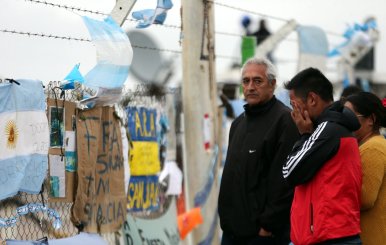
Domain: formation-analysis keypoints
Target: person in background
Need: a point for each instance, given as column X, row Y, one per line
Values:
column 324, row 165
column 372, row 147
column 349, row 90
column 254, row 200
column 261, row 34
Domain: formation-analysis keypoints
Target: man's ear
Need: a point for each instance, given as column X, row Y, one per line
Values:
column 273, row 83
column 312, row 98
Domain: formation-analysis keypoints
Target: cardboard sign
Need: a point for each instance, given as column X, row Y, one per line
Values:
column 100, row 203
column 160, row 230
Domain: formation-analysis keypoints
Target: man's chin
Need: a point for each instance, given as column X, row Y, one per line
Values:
column 253, row 101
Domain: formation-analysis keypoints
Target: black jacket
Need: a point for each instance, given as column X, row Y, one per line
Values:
column 253, row 192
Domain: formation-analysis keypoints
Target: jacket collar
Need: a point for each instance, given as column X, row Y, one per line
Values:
column 260, row 108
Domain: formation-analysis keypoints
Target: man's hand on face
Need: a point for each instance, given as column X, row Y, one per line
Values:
column 302, row 119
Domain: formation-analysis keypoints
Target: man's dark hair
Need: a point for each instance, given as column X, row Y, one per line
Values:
column 311, row 80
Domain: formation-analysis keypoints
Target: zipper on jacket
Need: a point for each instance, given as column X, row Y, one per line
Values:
column 311, row 218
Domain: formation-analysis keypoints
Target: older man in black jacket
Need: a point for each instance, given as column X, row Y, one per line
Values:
column 254, row 201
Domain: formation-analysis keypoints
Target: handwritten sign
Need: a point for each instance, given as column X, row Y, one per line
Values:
column 142, row 123
column 100, row 204
column 161, row 230
column 144, row 156
column 143, row 193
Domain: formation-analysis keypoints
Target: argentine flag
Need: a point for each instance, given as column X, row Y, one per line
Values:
column 313, row 48
column 24, row 137
column 114, row 54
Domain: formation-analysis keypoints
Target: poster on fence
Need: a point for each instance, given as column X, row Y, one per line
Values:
column 144, row 155
column 66, row 148
column 143, row 193
column 159, row 230
column 100, row 203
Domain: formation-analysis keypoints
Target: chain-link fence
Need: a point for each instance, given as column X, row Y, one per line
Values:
column 33, row 226
column 37, row 225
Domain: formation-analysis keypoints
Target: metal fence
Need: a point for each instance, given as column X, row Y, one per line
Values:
column 34, row 226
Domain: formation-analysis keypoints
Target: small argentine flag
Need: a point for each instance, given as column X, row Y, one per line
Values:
column 114, row 54
column 24, row 137
column 313, row 48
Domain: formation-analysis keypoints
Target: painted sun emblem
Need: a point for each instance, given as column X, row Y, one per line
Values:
column 11, row 134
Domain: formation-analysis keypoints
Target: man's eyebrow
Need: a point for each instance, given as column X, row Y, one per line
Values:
column 253, row 77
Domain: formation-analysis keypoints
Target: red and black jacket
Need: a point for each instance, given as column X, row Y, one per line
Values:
column 326, row 170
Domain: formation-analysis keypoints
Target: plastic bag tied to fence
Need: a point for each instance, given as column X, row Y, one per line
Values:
column 114, row 56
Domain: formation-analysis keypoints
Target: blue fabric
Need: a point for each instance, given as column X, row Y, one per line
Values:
column 349, row 34
column 104, row 30
column 25, row 138
column 346, row 81
column 107, row 76
column 148, row 17
column 72, row 77
column 21, row 97
column 114, row 54
column 24, row 173
column 312, row 40
column 202, row 196
column 237, row 106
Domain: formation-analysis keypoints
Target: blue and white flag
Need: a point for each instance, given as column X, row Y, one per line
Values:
column 147, row 17
column 72, row 77
column 356, row 36
column 24, row 137
column 313, row 47
column 114, row 54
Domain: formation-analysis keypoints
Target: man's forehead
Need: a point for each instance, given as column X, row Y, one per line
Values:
column 252, row 75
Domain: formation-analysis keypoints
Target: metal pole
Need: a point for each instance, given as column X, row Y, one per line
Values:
column 121, row 10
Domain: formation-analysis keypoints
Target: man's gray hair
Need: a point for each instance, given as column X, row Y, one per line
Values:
column 270, row 72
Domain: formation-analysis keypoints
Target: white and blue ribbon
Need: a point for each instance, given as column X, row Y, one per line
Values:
column 147, row 17
column 114, row 54
column 350, row 33
column 201, row 197
column 32, row 208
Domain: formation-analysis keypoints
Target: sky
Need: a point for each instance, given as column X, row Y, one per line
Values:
column 48, row 59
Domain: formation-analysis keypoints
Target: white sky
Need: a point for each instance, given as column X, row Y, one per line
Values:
column 51, row 59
